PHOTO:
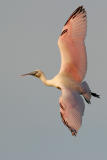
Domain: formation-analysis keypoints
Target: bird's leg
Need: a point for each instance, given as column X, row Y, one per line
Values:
column 85, row 91
column 85, row 94
column 95, row 95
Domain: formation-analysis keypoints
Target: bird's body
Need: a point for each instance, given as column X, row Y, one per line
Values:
column 59, row 81
column 72, row 72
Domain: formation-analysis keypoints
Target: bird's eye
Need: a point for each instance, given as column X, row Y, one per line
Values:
column 38, row 74
column 64, row 31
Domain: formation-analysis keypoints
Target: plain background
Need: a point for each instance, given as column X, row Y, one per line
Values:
column 30, row 123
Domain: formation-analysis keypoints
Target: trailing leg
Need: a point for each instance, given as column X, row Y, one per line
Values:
column 95, row 95
column 86, row 92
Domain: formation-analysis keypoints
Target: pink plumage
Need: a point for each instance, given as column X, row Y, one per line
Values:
column 72, row 71
column 72, row 47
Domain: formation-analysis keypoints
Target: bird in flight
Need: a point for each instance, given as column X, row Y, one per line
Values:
column 72, row 71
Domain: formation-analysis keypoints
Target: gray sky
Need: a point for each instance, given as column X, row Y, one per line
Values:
column 30, row 123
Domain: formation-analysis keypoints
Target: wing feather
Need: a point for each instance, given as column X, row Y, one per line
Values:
column 72, row 47
column 71, row 109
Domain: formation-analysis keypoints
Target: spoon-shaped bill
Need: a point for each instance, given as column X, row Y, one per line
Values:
column 29, row 74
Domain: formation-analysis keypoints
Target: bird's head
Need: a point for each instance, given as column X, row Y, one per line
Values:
column 37, row 73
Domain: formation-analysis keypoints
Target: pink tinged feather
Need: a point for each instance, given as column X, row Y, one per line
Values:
column 72, row 47
column 71, row 109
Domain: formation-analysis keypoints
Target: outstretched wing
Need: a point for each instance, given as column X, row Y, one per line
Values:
column 72, row 47
column 71, row 109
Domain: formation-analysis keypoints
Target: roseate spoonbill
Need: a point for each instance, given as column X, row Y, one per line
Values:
column 73, row 69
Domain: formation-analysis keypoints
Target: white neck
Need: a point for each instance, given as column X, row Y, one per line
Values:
column 45, row 81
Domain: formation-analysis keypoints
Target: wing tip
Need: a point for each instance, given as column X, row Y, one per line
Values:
column 79, row 10
column 73, row 131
